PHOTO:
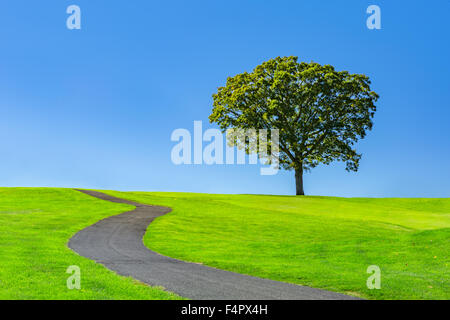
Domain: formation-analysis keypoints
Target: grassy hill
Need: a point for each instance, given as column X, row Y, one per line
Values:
column 323, row 242
column 35, row 226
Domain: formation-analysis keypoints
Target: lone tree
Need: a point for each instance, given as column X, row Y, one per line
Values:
column 320, row 112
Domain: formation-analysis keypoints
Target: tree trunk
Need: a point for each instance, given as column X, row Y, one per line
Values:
column 299, row 182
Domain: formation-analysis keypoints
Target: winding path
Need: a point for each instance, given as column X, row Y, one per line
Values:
column 116, row 242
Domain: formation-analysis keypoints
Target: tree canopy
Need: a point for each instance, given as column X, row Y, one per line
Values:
column 320, row 112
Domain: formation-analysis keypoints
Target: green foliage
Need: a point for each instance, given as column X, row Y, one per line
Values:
column 320, row 112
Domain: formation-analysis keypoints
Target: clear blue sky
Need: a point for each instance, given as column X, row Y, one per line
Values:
column 95, row 107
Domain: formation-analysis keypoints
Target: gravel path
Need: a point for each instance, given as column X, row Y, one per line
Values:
column 116, row 242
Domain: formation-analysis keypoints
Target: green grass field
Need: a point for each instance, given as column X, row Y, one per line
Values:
column 35, row 226
column 323, row 242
